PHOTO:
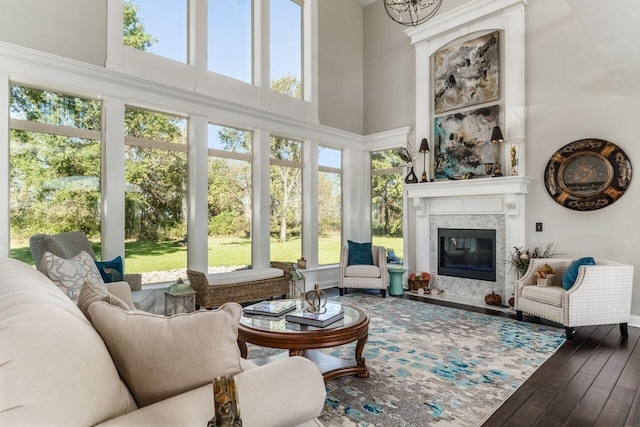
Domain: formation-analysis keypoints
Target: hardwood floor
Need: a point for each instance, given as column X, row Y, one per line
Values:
column 593, row 380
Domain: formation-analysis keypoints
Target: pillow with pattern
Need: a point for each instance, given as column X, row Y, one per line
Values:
column 70, row 274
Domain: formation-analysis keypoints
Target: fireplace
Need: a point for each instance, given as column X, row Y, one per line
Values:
column 467, row 253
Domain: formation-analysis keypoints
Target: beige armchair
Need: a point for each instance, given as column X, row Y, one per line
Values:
column 364, row 276
column 601, row 294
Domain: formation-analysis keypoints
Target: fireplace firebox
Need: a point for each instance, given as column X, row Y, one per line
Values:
column 467, row 253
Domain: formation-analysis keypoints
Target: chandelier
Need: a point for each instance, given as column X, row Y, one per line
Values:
column 411, row 12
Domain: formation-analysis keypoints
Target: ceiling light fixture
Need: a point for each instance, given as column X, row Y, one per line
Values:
column 411, row 12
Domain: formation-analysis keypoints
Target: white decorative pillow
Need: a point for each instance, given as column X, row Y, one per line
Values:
column 160, row 357
column 91, row 293
column 70, row 274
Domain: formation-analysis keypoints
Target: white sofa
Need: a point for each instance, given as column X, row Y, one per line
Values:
column 600, row 295
column 56, row 370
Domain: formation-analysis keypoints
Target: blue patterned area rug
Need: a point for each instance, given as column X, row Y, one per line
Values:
column 434, row 366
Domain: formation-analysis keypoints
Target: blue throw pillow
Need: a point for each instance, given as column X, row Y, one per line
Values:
column 360, row 253
column 569, row 277
column 111, row 271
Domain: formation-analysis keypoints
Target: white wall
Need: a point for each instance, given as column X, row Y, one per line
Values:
column 340, row 62
column 389, row 73
column 569, row 95
column 75, row 29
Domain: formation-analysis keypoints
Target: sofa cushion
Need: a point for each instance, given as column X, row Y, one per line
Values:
column 549, row 295
column 69, row 274
column 55, row 369
column 207, row 339
column 360, row 253
column 569, row 277
column 262, row 391
column 362, row 271
column 241, row 276
column 91, row 293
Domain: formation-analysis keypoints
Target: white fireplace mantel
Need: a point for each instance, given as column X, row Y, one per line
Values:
column 474, row 203
column 469, row 187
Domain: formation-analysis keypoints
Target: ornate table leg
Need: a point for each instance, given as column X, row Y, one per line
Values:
column 361, row 360
column 243, row 348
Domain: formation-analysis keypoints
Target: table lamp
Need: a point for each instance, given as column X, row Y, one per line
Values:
column 424, row 149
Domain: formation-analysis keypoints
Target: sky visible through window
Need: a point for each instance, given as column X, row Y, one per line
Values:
column 166, row 20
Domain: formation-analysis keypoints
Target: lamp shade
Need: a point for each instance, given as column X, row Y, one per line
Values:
column 424, row 146
column 496, row 136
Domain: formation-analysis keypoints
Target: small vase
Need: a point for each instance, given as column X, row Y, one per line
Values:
column 411, row 177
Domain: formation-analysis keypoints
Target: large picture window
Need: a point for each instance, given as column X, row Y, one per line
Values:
column 55, row 166
column 230, row 46
column 386, row 200
column 155, row 194
column 229, row 198
column 329, row 205
column 286, row 47
column 157, row 26
column 286, row 199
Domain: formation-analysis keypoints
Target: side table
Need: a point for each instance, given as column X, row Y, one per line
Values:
column 395, row 281
column 184, row 299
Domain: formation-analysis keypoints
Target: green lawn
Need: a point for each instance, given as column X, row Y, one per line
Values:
column 169, row 255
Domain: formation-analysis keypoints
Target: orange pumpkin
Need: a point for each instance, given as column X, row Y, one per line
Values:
column 493, row 299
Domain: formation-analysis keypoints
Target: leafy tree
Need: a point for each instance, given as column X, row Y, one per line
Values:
column 386, row 194
column 285, row 188
column 288, row 85
column 134, row 34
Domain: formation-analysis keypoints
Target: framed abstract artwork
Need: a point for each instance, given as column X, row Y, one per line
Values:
column 463, row 146
column 467, row 74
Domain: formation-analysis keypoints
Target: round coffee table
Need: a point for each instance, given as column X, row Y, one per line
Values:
column 303, row 340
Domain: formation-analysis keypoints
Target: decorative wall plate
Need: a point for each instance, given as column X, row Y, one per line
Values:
column 588, row 174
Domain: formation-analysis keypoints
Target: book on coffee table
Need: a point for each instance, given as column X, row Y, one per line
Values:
column 333, row 313
column 271, row 308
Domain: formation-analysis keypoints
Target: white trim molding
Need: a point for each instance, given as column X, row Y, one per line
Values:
column 507, row 16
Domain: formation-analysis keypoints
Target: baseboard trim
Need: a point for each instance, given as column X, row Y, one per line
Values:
column 634, row 321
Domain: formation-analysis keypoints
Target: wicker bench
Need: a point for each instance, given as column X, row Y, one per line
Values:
column 213, row 295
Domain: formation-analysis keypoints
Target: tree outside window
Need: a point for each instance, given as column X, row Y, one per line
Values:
column 329, row 205
column 387, row 200
column 165, row 19
column 286, row 47
column 55, row 166
column 229, row 198
column 286, row 199
column 155, row 193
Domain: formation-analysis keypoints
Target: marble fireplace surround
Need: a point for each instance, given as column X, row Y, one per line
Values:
column 482, row 203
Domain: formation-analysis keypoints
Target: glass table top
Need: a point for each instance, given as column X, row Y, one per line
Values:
column 270, row 323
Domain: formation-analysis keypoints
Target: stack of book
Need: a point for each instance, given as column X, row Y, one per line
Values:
column 331, row 314
column 271, row 308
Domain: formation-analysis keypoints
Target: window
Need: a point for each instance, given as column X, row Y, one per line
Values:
column 157, row 26
column 286, row 47
column 55, row 166
column 155, row 194
column 329, row 205
column 230, row 38
column 386, row 200
column 229, row 198
column 286, row 199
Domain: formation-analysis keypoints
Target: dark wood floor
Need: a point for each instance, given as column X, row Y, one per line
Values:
column 593, row 380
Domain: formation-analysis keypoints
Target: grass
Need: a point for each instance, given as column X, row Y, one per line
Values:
column 143, row 256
